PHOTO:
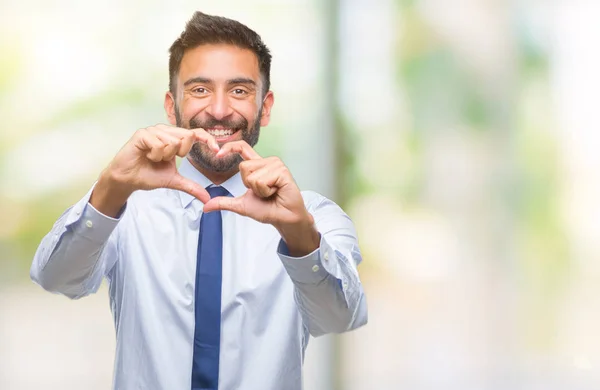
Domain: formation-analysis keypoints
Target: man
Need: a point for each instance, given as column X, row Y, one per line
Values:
column 220, row 270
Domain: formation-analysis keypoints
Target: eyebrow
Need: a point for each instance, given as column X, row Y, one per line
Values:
column 204, row 80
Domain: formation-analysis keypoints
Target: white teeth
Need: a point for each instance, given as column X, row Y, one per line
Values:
column 220, row 132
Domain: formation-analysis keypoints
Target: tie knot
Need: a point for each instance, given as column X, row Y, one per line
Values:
column 217, row 191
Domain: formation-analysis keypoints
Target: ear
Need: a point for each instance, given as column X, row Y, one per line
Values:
column 266, row 108
column 170, row 108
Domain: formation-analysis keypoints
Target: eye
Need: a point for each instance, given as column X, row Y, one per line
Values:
column 239, row 92
column 199, row 90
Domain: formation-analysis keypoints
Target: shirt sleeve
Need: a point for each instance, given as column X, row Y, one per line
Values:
column 328, row 289
column 78, row 252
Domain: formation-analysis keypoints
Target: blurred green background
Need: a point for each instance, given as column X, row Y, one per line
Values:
column 461, row 136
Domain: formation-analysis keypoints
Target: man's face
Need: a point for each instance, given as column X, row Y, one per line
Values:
column 219, row 90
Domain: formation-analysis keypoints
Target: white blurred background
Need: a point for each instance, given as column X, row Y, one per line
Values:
column 460, row 135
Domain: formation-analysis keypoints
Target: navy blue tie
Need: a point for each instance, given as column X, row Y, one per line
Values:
column 207, row 335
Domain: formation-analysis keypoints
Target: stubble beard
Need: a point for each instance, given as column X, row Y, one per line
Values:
column 204, row 157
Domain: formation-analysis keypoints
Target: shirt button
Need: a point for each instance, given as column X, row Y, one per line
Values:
column 345, row 285
column 77, row 211
column 326, row 256
column 89, row 223
column 315, row 268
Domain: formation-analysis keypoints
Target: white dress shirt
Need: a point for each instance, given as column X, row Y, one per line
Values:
column 271, row 302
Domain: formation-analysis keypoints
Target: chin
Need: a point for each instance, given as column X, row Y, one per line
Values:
column 206, row 160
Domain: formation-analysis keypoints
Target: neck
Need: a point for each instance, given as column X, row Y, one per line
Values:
column 217, row 178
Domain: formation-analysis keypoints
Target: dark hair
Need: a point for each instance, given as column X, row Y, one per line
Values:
column 208, row 29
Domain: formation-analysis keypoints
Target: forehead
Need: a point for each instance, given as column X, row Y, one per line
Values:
column 219, row 62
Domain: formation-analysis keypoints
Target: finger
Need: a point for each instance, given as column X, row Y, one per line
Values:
column 264, row 182
column 178, row 132
column 180, row 183
column 240, row 147
column 172, row 144
column 150, row 144
column 226, row 203
column 200, row 134
column 203, row 136
column 187, row 137
column 247, row 167
column 186, row 144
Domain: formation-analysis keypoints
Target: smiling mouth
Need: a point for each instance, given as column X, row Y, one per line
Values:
column 221, row 134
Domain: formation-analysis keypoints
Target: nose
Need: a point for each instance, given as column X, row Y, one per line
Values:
column 219, row 107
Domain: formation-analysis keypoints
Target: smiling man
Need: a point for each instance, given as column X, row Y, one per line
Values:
column 221, row 269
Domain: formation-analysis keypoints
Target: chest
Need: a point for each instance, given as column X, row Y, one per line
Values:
column 158, row 256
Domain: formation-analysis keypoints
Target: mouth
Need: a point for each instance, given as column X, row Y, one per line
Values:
column 222, row 134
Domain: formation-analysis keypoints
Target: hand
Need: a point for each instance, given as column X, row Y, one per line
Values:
column 272, row 197
column 147, row 161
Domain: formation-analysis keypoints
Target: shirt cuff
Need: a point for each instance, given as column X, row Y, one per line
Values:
column 94, row 225
column 309, row 269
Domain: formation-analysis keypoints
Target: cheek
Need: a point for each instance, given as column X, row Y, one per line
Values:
column 192, row 107
column 247, row 109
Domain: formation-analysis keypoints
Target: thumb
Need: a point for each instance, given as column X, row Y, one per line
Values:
column 226, row 203
column 186, row 185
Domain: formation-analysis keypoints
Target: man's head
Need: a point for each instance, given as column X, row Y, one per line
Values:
column 219, row 79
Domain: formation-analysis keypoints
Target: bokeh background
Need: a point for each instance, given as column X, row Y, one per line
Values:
column 460, row 135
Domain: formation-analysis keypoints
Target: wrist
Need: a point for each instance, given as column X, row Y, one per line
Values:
column 109, row 195
column 301, row 237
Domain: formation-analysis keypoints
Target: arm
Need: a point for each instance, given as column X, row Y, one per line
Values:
column 79, row 250
column 328, row 290
column 81, row 247
column 318, row 245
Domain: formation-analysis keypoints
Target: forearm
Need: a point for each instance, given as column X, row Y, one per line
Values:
column 301, row 238
column 109, row 196
column 73, row 258
column 328, row 290
column 328, row 308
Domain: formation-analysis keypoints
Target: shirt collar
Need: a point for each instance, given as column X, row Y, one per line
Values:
column 234, row 184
